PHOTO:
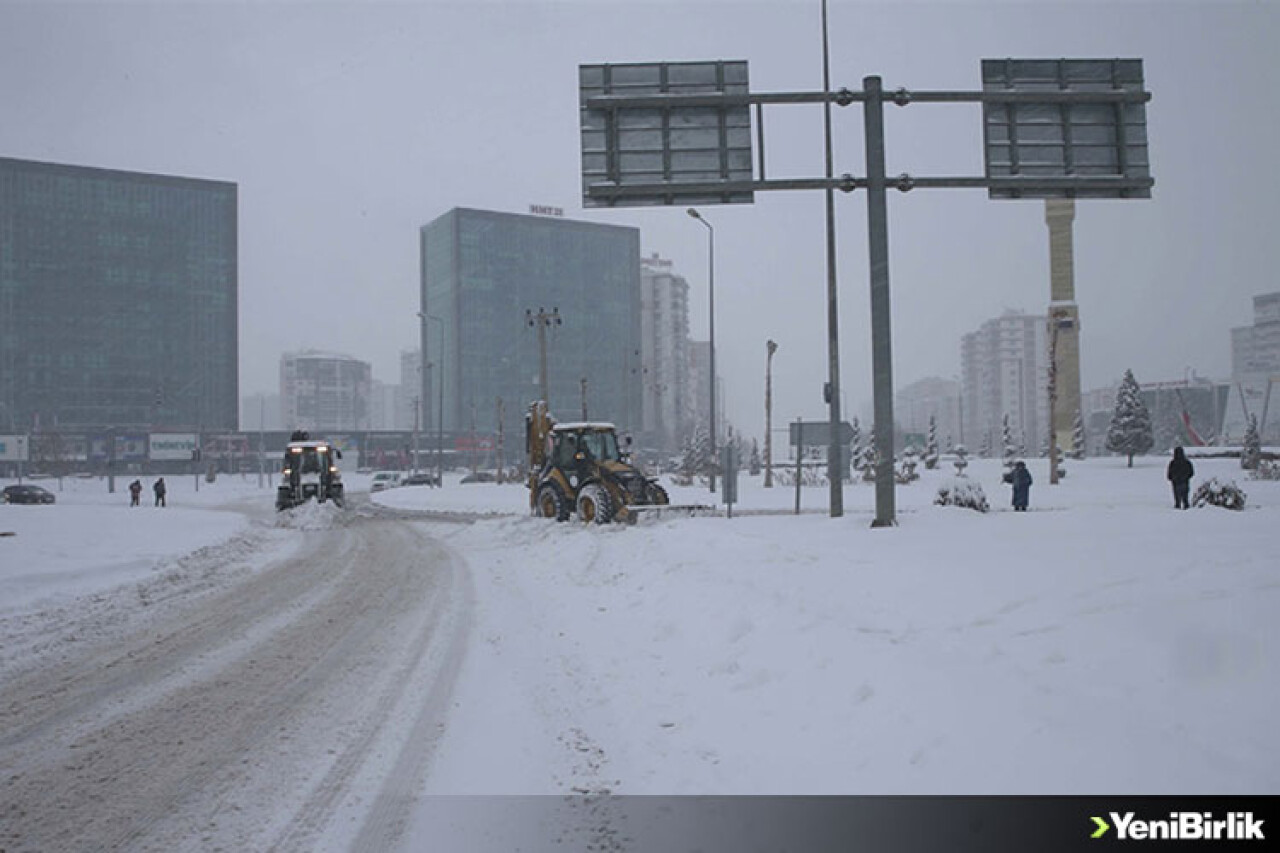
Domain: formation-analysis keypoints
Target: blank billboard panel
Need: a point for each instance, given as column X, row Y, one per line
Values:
column 681, row 151
column 1061, row 139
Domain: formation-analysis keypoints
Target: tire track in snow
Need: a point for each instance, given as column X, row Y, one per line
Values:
column 245, row 722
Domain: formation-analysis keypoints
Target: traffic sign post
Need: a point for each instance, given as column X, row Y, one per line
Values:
column 1052, row 128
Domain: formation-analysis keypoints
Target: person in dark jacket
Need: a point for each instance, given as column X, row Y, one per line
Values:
column 135, row 492
column 1180, row 473
column 159, row 489
column 1021, row 486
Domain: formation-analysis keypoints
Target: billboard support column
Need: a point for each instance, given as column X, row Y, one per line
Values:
column 881, row 348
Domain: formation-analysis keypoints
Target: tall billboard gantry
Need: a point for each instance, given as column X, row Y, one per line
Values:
column 681, row 133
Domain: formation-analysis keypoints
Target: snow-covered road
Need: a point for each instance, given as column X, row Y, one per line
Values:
column 245, row 704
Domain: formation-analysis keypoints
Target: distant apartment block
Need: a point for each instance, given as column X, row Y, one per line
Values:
column 664, row 354
column 1255, row 370
column 1005, row 372
column 325, row 391
column 931, row 399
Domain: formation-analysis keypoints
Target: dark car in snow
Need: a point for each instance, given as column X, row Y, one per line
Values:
column 26, row 494
column 420, row 480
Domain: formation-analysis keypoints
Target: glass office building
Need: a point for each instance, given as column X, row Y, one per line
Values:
column 117, row 300
column 481, row 272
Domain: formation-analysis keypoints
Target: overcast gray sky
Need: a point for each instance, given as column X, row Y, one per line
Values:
column 348, row 125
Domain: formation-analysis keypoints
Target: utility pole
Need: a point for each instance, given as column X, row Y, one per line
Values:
column 501, row 458
column 711, row 326
column 417, row 409
column 770, row 349
column 583, row 383
column 542, row 320
column 836, row 466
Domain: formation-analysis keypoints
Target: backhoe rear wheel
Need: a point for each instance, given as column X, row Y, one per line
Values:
column 595, row 506
column 552, row 503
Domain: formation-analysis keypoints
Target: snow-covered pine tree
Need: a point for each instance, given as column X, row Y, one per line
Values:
column 755, row 464
column 1077, row 437
column 1010, row 449
column 1251, row 450
column 931, row 445
column 868, row 458
column 1129, row 432
column 695, row 460
column 961, row 460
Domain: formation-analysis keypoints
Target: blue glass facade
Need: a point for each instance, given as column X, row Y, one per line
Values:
column 481, row 271
column 118, row 299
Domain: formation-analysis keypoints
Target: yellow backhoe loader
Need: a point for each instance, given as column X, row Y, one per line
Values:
column 578, row 469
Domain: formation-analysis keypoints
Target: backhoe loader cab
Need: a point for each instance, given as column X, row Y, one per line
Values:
column 309, row 472
column 578, row 468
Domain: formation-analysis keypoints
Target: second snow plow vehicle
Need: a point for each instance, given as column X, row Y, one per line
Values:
column 578, row 469
column 310, row 472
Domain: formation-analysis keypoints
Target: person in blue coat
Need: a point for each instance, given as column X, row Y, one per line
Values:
column 1021, row 486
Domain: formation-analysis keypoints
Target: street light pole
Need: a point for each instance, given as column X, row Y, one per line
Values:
column 770, row 348
column 440, row 405
column 711, row 288
column 836, row 463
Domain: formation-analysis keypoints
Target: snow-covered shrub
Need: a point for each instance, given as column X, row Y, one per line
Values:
column 906, row 469
column 810, row 475
column 1266, row 470
column 961, row 491
column 961, row 460
column 1214, row 493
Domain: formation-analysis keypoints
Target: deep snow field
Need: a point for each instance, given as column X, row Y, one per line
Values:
column 1101, row 643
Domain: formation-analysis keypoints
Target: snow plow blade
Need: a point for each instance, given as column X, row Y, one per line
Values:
column 657, row 511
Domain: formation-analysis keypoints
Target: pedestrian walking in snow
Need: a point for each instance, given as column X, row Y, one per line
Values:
column 135, row 493
column 1180, row 473
column 159, row 489
column 1021, row 486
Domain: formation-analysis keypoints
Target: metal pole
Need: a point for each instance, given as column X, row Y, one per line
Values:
column 440, row 404
column 711, row 280
column 417, row 410
column 881, row 344
column 542, row 359
column 770, row 349
column 799, row 457
column 1053, row 399
column 835, row 453
column 262, row 426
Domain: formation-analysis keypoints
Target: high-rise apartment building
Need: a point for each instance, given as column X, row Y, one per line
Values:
column 410, row 409
column 1255, row 370
column 118, row 300
column 483, row 272
column 932, row 399
column 325, row 391
column 664, row 354
column 1005, row 371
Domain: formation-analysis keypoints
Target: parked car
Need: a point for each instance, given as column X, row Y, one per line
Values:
column 421, row 479
column 384, row 480
column 28, row 494
column 480, row 477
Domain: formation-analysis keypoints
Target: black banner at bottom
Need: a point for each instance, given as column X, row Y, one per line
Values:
column 803, row 824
